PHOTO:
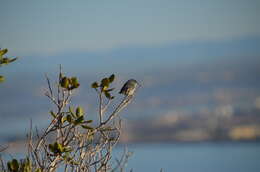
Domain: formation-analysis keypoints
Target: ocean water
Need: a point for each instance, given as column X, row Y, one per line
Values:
column 199, row 157
column 188, row 157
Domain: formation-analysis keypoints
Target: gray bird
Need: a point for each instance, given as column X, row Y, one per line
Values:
column 129, row 87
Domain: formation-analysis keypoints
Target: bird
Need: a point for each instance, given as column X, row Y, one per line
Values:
column 129, row 87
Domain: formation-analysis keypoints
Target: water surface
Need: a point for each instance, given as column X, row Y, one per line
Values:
column 201, row 157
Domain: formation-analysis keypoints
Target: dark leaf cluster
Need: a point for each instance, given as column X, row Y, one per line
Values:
column 4, row 61
column 104, row 86
column 69, row 83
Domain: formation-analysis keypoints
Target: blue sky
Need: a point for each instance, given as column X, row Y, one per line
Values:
column 49, row 27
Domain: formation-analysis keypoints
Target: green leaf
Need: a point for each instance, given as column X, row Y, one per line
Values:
column 58, row 148
column 87, row 127
column 3, row 52
column 64, row 82
column 13, row 165
column 111, row 89
column 79, row 120
column 71, row 112
column 63, row 119
column 69, row 119
column 53, row 114
column 2, row 78
column 51, row 147
column 38, row 170
column 74, row 82
column 111, row 78
column 9, row 165
column 88, row 121
column 26, row 165
column 67, row 149
column 94, row 85
column 4, row 61
column 13, row 59
column 108, row 95
column 105, row 82
column 79, row 111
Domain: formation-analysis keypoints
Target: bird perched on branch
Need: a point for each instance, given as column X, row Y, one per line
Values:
column 129, row 87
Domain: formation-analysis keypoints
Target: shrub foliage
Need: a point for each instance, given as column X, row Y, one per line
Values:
column 72, row 141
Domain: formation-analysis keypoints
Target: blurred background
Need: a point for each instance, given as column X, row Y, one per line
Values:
column 198, row 63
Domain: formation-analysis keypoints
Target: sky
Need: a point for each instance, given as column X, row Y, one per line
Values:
column 32, row 27
column 189, row 55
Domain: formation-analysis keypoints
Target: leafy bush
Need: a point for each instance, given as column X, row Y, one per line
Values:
column 72, row 141
column 4, row 61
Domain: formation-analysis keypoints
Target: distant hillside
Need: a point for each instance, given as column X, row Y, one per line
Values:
column 184, row 77
column 215, row 126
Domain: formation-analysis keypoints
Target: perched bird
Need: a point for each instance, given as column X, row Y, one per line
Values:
column 129, row 87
